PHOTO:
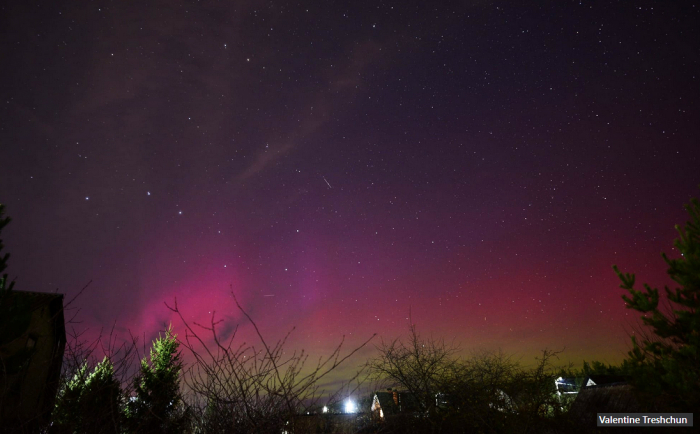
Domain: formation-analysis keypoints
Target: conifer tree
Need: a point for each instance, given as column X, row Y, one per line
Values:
column 666, row 366
column 15, row 315
column 158, row 406
column 89, row 402
column 3, row 258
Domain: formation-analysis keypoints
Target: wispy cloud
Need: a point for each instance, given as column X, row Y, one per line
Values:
column 344, row 83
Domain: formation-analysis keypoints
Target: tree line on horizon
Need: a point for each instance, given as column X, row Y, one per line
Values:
column 233, row 387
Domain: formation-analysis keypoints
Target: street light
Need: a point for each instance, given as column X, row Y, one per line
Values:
column 350, row 406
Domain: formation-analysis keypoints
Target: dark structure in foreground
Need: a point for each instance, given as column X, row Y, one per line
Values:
column 32, row 341
column 603, row 394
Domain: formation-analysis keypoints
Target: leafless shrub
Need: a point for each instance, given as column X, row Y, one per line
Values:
column 424, row 368
column 241, row 388
column 487, row 392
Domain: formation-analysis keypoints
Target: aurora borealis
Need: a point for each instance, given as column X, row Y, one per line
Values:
column 480, row 164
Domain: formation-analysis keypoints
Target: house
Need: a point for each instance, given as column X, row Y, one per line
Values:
column 567, row 390
column 603, row 381
column 603, row 394
column 383, row 404
column 32, row 341
column 391, row 402
column 566, row 386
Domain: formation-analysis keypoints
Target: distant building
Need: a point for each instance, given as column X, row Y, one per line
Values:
column 383, row 404
column 566, row 386
column 603, row 394
column 603, row 381
column 567, row 389
column 32, row 341
column 390, row 402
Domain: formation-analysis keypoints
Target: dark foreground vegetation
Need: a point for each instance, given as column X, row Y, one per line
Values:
column 412, row 385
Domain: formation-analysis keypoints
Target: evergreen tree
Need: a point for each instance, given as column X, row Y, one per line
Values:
column 158, row 406
column 15, row 316
column 666, row 367
column 600, row 368
column 3, row 259
column 89, row 402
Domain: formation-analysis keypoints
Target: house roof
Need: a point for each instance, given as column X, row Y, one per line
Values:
column 38, row 298
column 614, row 398
column 397, row 401
column 566, row 380
column 386, row 402
column 567, row 385
column 604, row 381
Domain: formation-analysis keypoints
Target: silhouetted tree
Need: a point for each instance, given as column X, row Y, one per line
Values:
column 3, row 258
column 89, row 402
column 243, row 389
column 488, row 392
column 431, row 383
column 422, row 367
column 14, row 313
column 666, row 366
column 15, row 317
column 158, row 406
column 600, row 368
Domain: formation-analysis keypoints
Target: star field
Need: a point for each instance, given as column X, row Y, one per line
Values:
column 481, row 164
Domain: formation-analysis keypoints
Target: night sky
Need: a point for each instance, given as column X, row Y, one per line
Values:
column 480, row 164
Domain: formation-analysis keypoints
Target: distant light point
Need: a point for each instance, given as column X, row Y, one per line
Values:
column 350, row 406
column 148, row 193
column 87, row 198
